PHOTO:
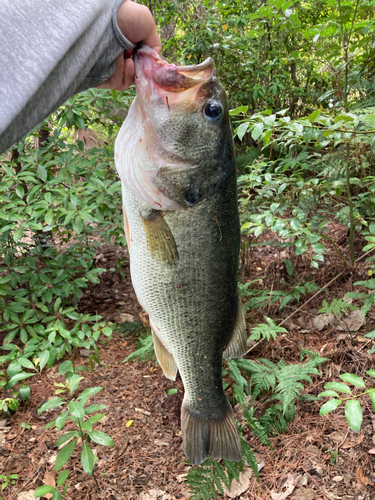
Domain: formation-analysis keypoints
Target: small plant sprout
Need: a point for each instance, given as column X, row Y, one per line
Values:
column 353, row 409
column 77, row 412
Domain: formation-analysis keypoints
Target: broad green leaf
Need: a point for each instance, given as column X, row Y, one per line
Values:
column 62, row 477
column 42, row 172
column 353, row 413
column 87, row 459
column 64, row 454
column 61, row 419
column 18, row 377
column 370, row 372
column 25, row 392
column 52, row 403
column 101, row 438
column 65, row 437
column 76, row 409
column 330, row 405
column 328, row 393
column 242, row 129
column 89, row 392
column 26, row 363
column 56, row 495
column 95, row 418
column 314, row 115
column 350, row 378
column 338, row 386
column 44, row 357
column 42, row 490
column 66, row 366
column 257, row 131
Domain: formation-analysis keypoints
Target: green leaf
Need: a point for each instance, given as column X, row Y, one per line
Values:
column 338, row 386
column 330, row 405
column 371, row 393
column 328, row 393
column 87, row 459
column 26, row 363
column 76, row 409
column 314, row 115
column 44, row 357
column 89, row 392
column 18, row 377
column 95, row 418
column 64, row 454
column 101, row 438
column 172, row 391
column 25, row 392
column 78, row 121
column 56, row 495
column 370, row 372
column 42, row 172
column 52, row 403
column 61, row 419
column 62, row 477
column 242, row 129
column 66, row 366
column 353, row 413
column 257, row 131
column 65, row 437
column 350, row 378
column 42, row 490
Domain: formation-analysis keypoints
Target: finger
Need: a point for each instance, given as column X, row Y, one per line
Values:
column 129, row 73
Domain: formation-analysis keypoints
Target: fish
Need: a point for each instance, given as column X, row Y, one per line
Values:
column 175, row 157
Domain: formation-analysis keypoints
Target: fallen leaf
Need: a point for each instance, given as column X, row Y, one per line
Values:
column 155, row 495
column 361, row 478
column 239, row 487
column 337, row 479
column 129, row 423
column 353, row 441
column 372, row 451
column 303, row 494
column 26, row 495
column 289, row 484
column 322, row 320
column 50, row 480
column 336, row 437
column 126, row 318
column 351, row 322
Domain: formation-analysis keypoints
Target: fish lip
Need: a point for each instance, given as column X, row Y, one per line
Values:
column 157, row 68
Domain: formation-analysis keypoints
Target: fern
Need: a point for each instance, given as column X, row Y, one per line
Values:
column 145, row 351
column 266, row 330
column 205, row 480
column 369, row 298
column 336, row 307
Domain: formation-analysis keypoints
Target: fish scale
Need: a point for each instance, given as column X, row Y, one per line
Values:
column 184, row 257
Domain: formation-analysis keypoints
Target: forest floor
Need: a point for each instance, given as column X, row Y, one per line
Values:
column 317, row 459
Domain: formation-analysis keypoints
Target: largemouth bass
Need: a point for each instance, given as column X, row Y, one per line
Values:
column 175, row 157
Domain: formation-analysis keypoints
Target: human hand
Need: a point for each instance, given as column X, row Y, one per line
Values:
column 137, row 25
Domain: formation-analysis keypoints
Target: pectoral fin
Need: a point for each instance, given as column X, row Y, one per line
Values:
column 165, row 358
column 238, row 343
column 160, row 240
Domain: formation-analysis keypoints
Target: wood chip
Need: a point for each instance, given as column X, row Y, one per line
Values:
column 144, row 412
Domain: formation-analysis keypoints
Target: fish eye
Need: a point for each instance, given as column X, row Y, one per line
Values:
column 213, row 110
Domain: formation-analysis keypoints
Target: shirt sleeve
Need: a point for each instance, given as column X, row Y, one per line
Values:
column 50, row 50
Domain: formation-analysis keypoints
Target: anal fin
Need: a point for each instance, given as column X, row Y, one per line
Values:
column 160, row 240
column 165, row 358
column 237, row 345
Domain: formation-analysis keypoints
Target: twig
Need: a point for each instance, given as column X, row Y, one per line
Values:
column 27, row 482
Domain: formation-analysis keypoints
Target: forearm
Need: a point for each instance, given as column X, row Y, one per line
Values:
column 49, row 52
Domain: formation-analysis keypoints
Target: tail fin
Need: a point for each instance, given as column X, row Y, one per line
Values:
column 217, row 437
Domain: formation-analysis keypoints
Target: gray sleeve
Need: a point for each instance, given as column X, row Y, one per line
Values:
column 49, row 51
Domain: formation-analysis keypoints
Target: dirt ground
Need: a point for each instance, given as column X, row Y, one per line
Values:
column 317, row 459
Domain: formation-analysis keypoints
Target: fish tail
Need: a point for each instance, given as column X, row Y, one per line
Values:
column 217, row 436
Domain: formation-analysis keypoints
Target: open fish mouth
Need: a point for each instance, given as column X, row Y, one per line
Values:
column 168, row 78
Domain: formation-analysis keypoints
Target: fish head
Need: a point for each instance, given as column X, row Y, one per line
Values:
column 184, row 108
column 184, row 135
